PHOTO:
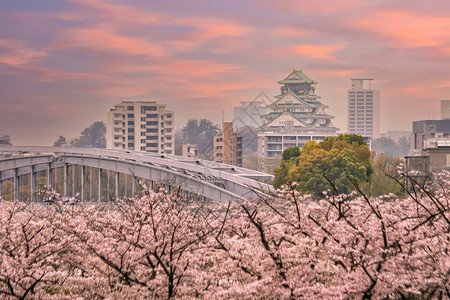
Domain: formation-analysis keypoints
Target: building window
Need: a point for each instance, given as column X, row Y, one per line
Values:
column 131, row 123
column 152, row 123
column 152, row 116
column 131, row 137
column 130, row 116
column 130, row 107
column 130, row 130
column 147, row 108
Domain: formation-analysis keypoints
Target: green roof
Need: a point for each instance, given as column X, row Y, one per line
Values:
column 297, row 77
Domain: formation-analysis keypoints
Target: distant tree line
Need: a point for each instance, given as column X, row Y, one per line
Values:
column 93, row 136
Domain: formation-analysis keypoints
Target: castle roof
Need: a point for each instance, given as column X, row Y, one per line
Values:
column 297, row 77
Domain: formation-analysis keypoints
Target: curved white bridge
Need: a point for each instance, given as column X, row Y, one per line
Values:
column 205, row 178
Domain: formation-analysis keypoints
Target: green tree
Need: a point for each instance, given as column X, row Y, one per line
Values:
column 289, row 159
column 333, row 163
column 93, row 136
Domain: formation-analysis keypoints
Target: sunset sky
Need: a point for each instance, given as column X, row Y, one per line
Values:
column 64, row 63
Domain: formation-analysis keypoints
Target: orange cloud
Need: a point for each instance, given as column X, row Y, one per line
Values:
column 316, row 51
column 407, row 28
column 104, row 40
column 290, row 32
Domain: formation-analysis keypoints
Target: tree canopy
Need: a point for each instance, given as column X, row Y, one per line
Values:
column 93, row 136
column 201, row 133
column 336, row 163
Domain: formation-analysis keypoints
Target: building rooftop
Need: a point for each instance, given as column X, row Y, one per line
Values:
column 297, row 77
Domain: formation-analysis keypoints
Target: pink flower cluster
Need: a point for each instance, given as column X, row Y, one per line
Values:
column 163, row 245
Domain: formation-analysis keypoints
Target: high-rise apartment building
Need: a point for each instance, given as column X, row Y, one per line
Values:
column 228, row 146
column 363, row 116
column 296, row 117
column 140, row 126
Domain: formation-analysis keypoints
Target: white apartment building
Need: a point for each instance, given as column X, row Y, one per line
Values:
column 140, row 126
column 363, row 104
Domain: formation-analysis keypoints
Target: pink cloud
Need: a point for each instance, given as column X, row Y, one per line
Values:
column 316, row 51
column 290, row 32
column 322, row 7
column 18, row 54
column 101, row 39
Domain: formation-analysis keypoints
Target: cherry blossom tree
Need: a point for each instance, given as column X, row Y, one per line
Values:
column 170, row 245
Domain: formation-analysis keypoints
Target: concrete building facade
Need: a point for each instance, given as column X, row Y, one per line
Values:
column 427, row 133
column 186, row 150
column 296, row 117
column 140, row 126
column 363, row 104
column 228, row 146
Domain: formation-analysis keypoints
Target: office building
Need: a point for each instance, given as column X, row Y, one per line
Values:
column 140, row 126
column 296, row 116
column 228, row 146
column 363, row 104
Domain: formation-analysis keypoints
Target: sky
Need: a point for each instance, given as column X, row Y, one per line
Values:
column 64, row 63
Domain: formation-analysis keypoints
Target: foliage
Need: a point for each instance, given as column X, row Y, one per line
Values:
column 162, row 245
column 61, row 141
column 385, row 176
column 391, row 147
column 93, row 136
column 334, row 162
column 291, row 152
column 289, row 160
column 199, row 132
column 350, row 138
